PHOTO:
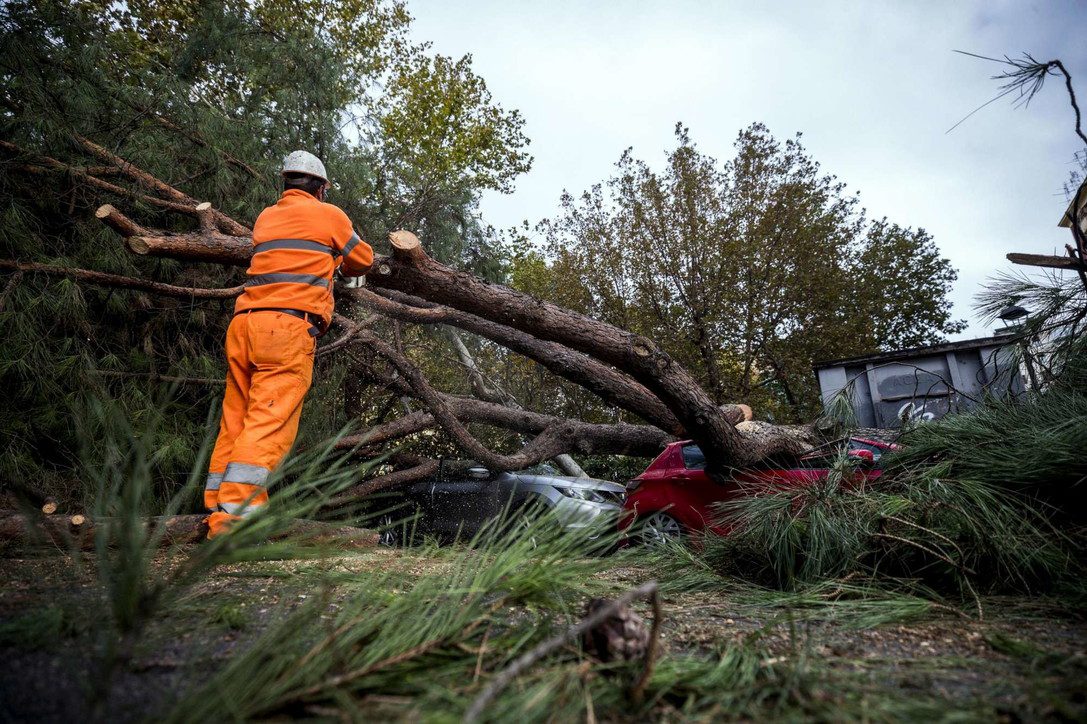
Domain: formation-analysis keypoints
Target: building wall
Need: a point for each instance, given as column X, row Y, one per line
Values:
column 923, row 386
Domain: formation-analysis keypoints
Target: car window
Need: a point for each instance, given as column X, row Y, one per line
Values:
column 876, row 451
column 542, row 469
column 693, row 459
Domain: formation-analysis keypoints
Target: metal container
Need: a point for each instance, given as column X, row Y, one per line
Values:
column 924, row 383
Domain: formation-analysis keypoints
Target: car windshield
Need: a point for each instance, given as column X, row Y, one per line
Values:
column 693, row 459
column 542, row 469
column 877, row 452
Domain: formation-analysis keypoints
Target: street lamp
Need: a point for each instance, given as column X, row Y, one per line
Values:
column 1013, row 313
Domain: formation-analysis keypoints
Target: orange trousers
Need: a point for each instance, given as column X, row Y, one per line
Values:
column 269, row 370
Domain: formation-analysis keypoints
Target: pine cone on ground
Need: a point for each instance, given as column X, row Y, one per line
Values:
column 621, row 637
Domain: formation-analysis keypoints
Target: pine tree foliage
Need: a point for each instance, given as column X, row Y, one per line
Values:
column 208, row 97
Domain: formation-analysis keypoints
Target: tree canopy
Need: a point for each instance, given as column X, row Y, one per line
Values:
column 746, row 271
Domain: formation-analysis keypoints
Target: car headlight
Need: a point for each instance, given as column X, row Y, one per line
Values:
column 582, row 494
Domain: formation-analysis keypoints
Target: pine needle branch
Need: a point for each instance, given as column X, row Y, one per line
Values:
column 1026, row 77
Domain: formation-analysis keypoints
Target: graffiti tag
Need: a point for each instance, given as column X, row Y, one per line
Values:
column 910, row 412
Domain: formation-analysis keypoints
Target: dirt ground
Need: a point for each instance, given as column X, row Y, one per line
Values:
column 1027, row 658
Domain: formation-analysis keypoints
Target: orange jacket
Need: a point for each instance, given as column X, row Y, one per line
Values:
column 298, row 245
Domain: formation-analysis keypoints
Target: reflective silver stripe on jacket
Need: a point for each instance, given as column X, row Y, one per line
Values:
column 213, row 482
column 242, row 509
column 351, row 244
column 280, row 277
column 303, row 244
column 245, row 473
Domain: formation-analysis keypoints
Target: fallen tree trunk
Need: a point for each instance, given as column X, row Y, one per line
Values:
column 412, row 271
column 204, row 246
column 409, row 469
column 567, row 340
column 79, row 532
column 606, row 383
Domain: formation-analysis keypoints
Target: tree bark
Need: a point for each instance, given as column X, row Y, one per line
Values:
column 609, row 385
column 201, row 246
column 395, row 479
column 413, row 272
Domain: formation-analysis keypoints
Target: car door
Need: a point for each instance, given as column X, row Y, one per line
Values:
column 411, row 508
column 694, row 494
column 459, row 506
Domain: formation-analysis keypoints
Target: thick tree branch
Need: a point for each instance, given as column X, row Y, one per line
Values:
column 1071, row 97
column 165, row 190
column 409, row 424
column 194, row 246
column 89, row 175
column 412, row 271
column 611, row 386
column 487, row 391
column 351, row 329
column 586, row 438
column 394, row 479
column 152, row 377
column 547, row 443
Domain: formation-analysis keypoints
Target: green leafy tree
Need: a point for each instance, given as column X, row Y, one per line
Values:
column 747, row 271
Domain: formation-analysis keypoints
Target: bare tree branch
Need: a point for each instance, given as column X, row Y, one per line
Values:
column 226, row 223
column 122, row 282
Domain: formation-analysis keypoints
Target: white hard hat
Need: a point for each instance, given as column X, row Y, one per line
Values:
column 304, row 162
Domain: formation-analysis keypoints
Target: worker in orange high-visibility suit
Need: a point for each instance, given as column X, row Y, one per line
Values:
column 298, row 245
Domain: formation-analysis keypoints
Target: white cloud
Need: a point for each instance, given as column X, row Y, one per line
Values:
column 872, row 86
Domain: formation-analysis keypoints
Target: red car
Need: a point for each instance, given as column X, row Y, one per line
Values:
column 675, row 497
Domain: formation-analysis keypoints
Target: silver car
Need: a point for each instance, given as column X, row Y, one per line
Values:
column 458, row 507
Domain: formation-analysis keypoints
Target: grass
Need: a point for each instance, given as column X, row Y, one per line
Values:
column 375, row 630
column 41, row 628
column 416, row 633
column 135, row 587
column 779, row 661
column 231, row 615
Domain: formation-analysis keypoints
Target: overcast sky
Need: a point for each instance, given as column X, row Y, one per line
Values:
column 873, row 86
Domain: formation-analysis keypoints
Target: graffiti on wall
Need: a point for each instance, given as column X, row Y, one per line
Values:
column 912, row 413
